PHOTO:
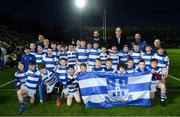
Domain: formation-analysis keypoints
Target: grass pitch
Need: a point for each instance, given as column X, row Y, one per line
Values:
column 9, row 103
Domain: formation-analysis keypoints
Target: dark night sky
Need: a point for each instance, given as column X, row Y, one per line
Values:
column 119, row 12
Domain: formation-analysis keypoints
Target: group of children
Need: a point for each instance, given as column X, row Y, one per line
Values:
column 55, row 69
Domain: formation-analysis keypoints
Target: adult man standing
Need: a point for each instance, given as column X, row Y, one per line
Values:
column 119, row 39
column 157, row 44
column 40, row 40
column 97, row 39
column 139, row 41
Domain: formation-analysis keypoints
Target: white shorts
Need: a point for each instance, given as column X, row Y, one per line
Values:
column 74, row 93
column 154, row 85
column 164, row 73
column 29, row 92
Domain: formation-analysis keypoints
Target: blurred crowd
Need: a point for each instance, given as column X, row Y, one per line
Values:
column 12, row 43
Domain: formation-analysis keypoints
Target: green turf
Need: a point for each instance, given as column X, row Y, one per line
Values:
column 174, row 55
column 6, row 76
column 9, row 103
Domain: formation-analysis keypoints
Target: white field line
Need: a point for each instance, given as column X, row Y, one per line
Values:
column 178, row 79
column 6, row 83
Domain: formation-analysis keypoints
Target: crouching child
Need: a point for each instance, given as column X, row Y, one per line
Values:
column 72, row 86
column 29, row 87
column 157, row 82
column 49, row 79
column 20, row 76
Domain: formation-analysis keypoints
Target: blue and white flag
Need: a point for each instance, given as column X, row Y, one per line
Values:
column 109, row 90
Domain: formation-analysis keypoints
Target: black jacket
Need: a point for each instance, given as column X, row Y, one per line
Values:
column 114, row 41
column 100, row 41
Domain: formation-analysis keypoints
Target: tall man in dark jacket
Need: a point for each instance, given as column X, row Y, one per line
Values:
column 119, row 39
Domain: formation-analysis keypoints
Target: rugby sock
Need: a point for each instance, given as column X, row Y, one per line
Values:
column 22, row 107
column 21, row 103
column 163, row 97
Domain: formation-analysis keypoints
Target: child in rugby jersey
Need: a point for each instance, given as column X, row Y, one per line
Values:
column 51, row 83
column 83, row 68
column 54, row 48
column 26, row 57
column 89, row 47
column 130, row 67
column 71, row 55
column 147, row 56
column 157, row 82
column 108, row 67
column 82, row 54
column 98, row 67
column 29, row 87
column 50, row 60
column 124, row 54
column 72, row 86
column 136, row 54
column 46, row 45
column 114, row 55
column 61, row 73
column 62, row 52
column 163, row 62
column 20, row 76
column 33, row 48
column 94, row 53
column 39, row 55
column 103, row 56
column 121, row 69
column 141, row 66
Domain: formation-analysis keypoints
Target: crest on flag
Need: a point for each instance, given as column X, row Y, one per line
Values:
column 117, row 88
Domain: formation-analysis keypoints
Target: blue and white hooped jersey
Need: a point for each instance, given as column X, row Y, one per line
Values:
column 71, row 58
column 82, row 55
column 131, row 70
column 114, row 56
column 147, row 58
column 100, row 69
column 50, row 79
column 124, row 56
column 61, row 73
column 73, row 86
column 55, row 52
column 45, row 50
column 62, row 54
column 120, row 73
column 136, row 56
column 32, row 80
column 89, row 49
column 39, row 57
column 163, row 60
column 20, row 77
column 33, row 52
column 157, row 70
column 93, row 55
column 139, row 70
column 111, row 70
column 103, row 57
column 50, row 62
